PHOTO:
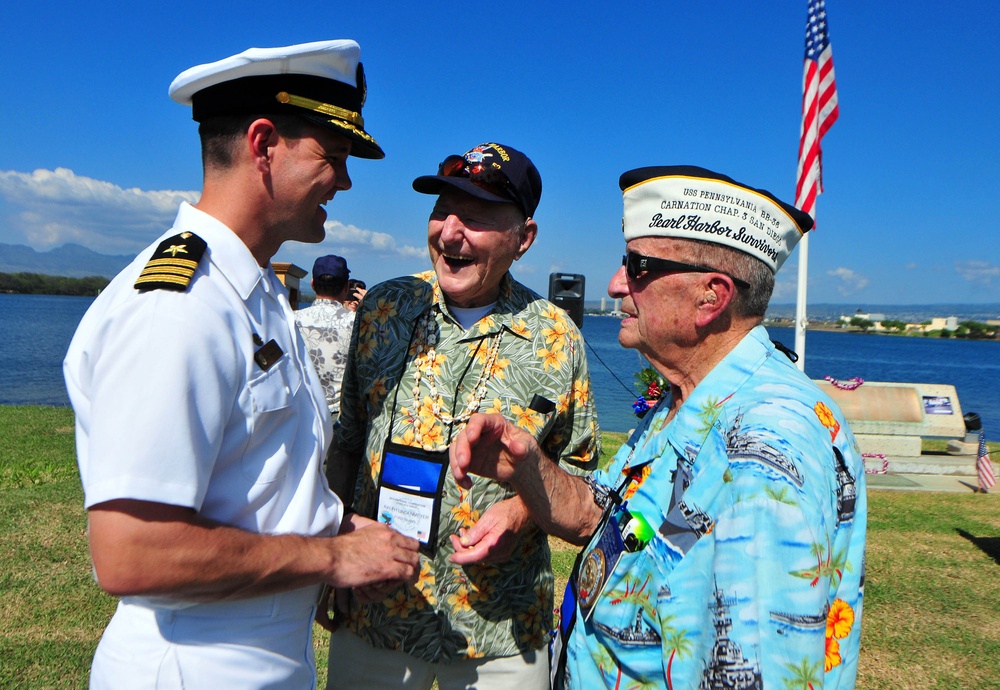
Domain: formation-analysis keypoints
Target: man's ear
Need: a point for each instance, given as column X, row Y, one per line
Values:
column 262, row 135
column 719, row 292
column 528, row 235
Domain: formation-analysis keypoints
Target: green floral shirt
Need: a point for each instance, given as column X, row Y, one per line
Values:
column 525, row 346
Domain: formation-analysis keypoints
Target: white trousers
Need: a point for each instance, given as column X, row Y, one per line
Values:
column 255, row 644
column 357, row 665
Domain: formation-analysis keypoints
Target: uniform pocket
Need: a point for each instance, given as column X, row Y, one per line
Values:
column 274, row 427
column 274, row 388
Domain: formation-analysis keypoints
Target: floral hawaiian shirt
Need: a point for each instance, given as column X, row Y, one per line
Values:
column 326, row 328
column 413, row 368
column 753, row 574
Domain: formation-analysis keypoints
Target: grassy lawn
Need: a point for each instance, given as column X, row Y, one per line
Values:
column 932, row 604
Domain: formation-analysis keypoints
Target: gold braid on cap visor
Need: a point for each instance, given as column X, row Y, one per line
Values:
column 319, row 107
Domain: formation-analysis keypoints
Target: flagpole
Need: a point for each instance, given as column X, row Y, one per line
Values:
column 801, row 319
column 819, row 112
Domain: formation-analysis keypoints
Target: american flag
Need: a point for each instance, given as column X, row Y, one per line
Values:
column 983, row 465
column 819, row 107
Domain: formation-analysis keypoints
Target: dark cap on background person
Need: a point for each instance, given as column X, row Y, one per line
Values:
column 330, row 268
column 688, row 202
column 322, row 81
column 490, row 171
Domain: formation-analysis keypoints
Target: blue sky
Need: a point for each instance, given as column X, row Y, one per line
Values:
column 96, row 153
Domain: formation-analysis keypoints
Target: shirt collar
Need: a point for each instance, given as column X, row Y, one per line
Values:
column 501, row 317
column 695, row 418
column 225, row 249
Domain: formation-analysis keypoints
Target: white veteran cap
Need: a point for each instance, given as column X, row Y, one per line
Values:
column 688, row 202
column 322, row 81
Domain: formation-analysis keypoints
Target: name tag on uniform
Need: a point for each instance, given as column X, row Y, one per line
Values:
column 268, row 354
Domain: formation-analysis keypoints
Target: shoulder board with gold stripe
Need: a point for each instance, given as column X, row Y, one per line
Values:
column 172, row 264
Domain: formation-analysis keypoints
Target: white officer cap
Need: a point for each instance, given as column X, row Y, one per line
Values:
column 322, row 81
column 688, row 202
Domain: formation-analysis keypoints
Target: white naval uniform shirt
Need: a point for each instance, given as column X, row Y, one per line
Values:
column 172, row 408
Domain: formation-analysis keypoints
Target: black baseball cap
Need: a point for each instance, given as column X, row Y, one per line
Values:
column 490, row 171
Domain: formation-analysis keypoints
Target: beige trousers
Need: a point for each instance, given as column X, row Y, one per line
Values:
column 356, row 665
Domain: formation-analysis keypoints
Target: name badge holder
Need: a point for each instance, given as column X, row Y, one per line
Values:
column 411, row 480
column 618, row 532
column 567, row 611
column 409, row 492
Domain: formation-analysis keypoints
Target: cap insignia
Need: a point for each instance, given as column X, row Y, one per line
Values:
column 362, row 83
column 320, row 107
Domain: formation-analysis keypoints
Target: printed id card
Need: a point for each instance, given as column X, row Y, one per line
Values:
column 409, row 492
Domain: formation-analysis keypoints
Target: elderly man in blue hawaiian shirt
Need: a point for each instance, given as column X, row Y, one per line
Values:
column 724, row 544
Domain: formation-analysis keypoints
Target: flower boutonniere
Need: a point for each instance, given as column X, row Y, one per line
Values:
column 650, row 385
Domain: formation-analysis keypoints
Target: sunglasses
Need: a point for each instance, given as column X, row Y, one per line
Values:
column 637, row 264
column 483, row 176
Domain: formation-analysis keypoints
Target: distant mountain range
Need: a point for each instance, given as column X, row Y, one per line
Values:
column 70, row 260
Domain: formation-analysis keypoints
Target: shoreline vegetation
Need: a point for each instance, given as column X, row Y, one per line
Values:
column 39, row 284
column 970, row 330
column 930, row 617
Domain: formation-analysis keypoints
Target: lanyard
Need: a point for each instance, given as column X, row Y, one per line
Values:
column 424, row 326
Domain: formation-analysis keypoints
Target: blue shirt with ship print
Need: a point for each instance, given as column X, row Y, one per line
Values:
column 754, row 574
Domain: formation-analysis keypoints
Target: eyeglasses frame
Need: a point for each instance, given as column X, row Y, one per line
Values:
column 659, row 265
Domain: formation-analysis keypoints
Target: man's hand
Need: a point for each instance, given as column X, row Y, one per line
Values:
column 493, row 538
column 490, row 446
column 369, row 546
column 559, row 503
column 374, row 556
column 141, row 548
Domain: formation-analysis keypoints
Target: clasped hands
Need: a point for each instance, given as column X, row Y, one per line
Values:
column 488, row 446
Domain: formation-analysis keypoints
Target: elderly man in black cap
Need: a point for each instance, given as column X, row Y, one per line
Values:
column 725, row 543
column 429, row 351
column 201, row 425
column 326, row 325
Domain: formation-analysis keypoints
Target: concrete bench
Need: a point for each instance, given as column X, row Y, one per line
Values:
column 892, row 419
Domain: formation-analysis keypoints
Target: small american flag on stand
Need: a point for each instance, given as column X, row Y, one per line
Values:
column 819, row 107
column 984, row 468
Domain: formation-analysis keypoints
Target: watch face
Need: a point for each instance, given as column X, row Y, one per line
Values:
column 591, row 577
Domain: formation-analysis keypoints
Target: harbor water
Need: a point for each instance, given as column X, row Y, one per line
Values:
column 36, row 331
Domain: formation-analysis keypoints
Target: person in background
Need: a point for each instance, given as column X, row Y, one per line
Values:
column 725, row 543
column 326, row 325
column 200, row 424
column 356, row 291
column 428, row 351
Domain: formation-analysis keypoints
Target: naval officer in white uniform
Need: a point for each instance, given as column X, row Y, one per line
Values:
column 201, row 424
